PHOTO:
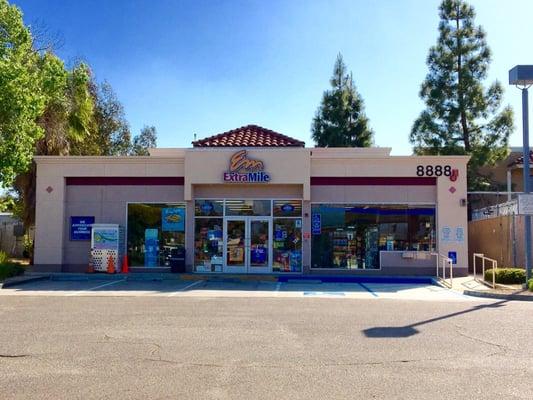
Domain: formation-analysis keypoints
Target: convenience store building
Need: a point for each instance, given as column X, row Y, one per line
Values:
column 252, row 200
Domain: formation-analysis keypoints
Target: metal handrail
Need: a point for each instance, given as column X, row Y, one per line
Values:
column 494, row 268
column 445, row 260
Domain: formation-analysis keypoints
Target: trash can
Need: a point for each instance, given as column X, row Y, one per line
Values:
column 177, row 260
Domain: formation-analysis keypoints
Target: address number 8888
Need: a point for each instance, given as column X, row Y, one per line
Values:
column 433, row 170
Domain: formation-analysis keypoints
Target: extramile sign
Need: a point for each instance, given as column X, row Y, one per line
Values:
column 244, row 169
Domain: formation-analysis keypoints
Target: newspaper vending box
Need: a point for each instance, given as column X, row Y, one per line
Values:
column 107, row 240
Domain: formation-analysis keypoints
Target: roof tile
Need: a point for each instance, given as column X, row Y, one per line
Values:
column 249, row 136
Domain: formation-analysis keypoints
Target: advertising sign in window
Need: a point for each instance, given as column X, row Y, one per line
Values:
column 173, row 219
column 316, row 224
column 151, row 247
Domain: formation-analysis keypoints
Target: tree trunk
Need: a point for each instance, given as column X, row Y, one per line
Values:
column 462, row 111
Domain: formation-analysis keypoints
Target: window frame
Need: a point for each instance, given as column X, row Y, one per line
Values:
column 180, row 203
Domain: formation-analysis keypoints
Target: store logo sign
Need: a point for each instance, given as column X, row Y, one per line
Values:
column 287, row 208
column 207, row 208
column 244, row 169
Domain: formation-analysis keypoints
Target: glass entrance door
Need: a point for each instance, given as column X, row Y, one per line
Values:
column 235, row 240
column 260, row 247
column 247, row 245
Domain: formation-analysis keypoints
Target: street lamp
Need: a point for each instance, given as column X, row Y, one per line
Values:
column 522, row 77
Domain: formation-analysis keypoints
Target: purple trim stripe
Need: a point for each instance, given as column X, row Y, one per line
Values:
column 373, row 181
column 125, row 180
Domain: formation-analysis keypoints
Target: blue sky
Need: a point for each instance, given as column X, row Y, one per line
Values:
column 205, row 67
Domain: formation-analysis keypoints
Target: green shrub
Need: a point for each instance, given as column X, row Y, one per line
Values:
column 7, row 270
column 506, row 275
column 530, row 285
column 28, row 247
column 3, row 257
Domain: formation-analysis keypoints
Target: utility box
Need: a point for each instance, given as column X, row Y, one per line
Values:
column 107, row 240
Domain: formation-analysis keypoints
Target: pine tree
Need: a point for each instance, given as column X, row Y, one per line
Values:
column 461, row 115
column 340, row 120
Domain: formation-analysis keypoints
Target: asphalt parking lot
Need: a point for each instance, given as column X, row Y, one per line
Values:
column 231, row 288
column 213, row 347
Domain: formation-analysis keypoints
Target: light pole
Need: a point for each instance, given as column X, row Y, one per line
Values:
column 522, row 77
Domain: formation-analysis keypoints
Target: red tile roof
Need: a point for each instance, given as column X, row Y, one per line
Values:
column 249, row 136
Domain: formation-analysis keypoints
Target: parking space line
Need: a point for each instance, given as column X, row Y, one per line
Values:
column 368, row 289
column 96, row 287
column 185, row 288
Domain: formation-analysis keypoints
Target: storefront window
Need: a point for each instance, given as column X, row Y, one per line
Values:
column 351, row 236
column 208, row 208
column 155, row 232
column 287, row 247
column 208, row 245
column 249, row 242
column 248, row 207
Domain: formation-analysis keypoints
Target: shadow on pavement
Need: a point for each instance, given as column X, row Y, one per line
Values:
column 410, row 330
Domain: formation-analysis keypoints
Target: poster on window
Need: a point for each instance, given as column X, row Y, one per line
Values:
column 316, row 224
column 236, row 254
column 151, row 247
column 173, row 219
column 258, row 255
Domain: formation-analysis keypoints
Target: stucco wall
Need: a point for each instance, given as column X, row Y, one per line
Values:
column 51, row 219
column 290, row 169
column 452, row 213
column 108, row 204
column 447, row 195
column 284, row 165
column 374, row 194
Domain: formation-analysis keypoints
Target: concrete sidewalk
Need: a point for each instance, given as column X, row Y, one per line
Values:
column 468, row 283
column 471, row 287
column 228, row 288
column 461, row 285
